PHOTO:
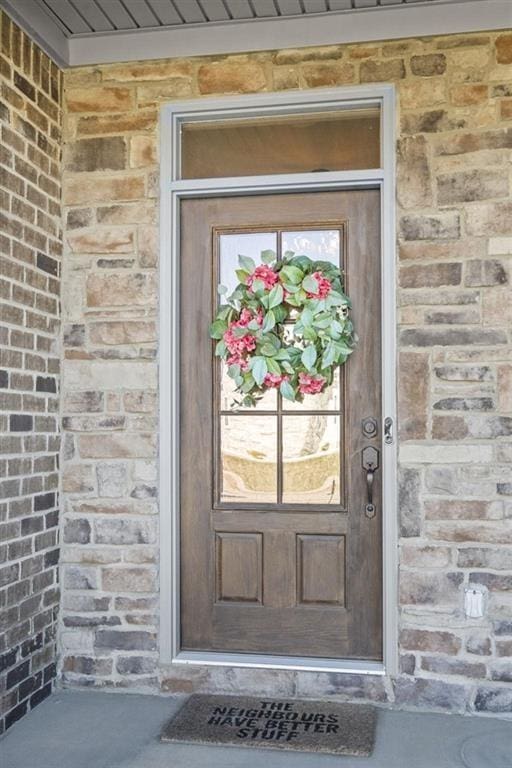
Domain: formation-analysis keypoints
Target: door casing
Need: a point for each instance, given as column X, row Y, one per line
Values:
column 172, row 191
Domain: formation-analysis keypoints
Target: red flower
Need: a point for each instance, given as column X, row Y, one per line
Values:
column 273, row 380
column 310, row 385
column 324, row 287
column 267, row 276
column 238, row 346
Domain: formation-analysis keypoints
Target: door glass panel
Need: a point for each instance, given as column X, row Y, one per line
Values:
column 291, row 453
column 311, row 459
column 247, row 244
column 319, row 245
column 229, row 398
column 249, row 458
column 344, row 139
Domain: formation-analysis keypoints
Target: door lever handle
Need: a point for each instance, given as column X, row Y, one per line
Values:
column 370, row 461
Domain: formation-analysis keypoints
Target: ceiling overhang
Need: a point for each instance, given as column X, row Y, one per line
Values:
column 363, row 24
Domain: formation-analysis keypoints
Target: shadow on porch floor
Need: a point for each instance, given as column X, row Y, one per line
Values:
column 99, row 730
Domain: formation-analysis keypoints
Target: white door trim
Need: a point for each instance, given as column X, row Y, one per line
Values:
column 172, row 191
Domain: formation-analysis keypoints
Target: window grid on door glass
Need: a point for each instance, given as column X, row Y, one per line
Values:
column 277, row 454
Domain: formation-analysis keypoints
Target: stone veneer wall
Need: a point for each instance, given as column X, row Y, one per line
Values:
column 30, row 252
column 455, row 381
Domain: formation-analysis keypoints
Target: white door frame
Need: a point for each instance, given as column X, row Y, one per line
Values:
column 172, row 191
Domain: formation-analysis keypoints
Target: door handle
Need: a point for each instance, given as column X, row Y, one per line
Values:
column 370, row 462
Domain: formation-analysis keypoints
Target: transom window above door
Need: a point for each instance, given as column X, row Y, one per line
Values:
column 338, row 140
column 278, row 453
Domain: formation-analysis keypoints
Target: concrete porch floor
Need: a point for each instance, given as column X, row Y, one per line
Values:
column 74, row 729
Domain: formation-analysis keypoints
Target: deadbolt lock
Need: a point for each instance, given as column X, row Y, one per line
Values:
column 369, row 427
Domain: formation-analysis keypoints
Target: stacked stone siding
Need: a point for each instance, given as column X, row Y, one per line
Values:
column 455, row 378
column 30, row 253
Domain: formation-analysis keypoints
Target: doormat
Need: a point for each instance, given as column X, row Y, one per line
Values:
column 307, row 726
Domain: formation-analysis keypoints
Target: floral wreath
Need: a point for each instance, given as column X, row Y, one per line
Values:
column 285, row 326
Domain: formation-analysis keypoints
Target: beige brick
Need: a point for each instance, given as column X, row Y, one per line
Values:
column 300, row 55
column 81, row 375
column 121, row 290
column 174, row 88
column 126, row 332
column 142, row 120
column 382, row 71
column 137, row 580
column 413, row 179
column 101, row 240
column 455, row 509
column 231, row 77
column 117, row 446
column 466, row 95
column 414, row 385
column 78, row 191
column 327, row 73
column 78, row 478
column 504, row 49
column 99, row 99
column 148, row 246
column 143, row 151
column 284, row 78
column 422, row 92
column 497, row 306
column 147, row 71
column 505, row 388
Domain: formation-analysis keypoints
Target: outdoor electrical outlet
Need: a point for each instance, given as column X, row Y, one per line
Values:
column 474, row 602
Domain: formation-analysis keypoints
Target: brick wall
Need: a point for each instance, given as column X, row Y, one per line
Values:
column 455, row 380
column 30, row 251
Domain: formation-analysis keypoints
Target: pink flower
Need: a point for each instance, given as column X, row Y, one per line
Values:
column 267, row 276
column 310, row 385
column 324, row 287
column 238, row 346
column 238, row 360
column 273, row 380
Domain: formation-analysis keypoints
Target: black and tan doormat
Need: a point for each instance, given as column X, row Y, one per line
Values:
column 307, row 726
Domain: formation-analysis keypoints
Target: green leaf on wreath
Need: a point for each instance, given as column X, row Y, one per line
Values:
column 269, row 322
column 221, row 290
column 242, row 276
column 273, row 366
column 220, row 348
column 259, row 369
column 287, row 390
column 268, row 350
column 310, row 284
column 258, row 286
column 306, row 318
column 268, row 256
column 246, row 263
column 328, row 356
column 310, row 334
column 308, row 357
column 292, row 274
column 234, row 371
column 218, row 329
column 275, row 296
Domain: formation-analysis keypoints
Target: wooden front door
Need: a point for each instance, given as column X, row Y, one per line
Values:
column 278, row 554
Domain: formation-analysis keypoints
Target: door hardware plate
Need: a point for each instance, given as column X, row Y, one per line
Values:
column 369, row 427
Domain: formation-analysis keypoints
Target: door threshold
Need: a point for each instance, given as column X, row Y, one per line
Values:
column 257, row 661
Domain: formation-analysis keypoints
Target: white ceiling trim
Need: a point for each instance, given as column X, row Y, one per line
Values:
column 365, row 24
column 416, row 19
